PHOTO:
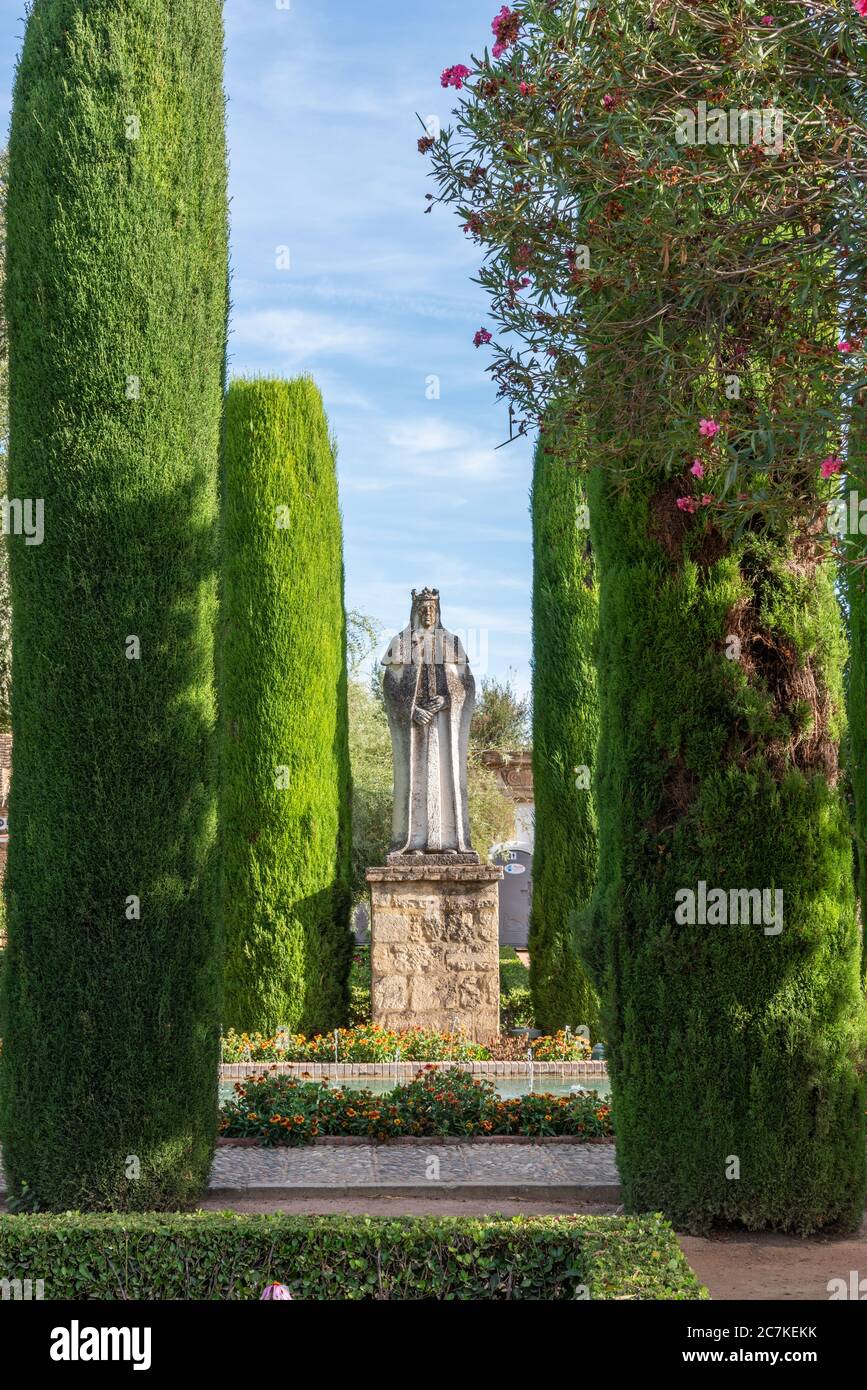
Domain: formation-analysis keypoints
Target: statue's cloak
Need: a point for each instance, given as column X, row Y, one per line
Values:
column 430, row 800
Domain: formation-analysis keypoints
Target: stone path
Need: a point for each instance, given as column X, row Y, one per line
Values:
column 575, row 1171
column 549, row 1171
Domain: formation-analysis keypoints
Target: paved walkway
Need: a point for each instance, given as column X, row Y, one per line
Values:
column 568, row 1170
column 550, row 1171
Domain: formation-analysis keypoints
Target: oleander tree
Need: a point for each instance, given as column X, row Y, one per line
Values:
column 286, row 790
column 117, row 303
column 677, row 278
column 565, row 732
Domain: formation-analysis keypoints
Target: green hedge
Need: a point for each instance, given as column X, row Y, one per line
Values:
column 223, row 1256
column 565, row 731
column 286, row 788
column 720, row 679
column 117, row 303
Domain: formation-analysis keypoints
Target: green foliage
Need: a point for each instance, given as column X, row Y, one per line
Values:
column 614, row 237
column 285, row 786
column 501, row 718
column 280, row 1110
column 492, row 815
column 565, row 731
column 372, row 792
column 516, row 1004
column 724, row 1040
column 513, row 975
column 5, row 598
column 359, row 987
column 117, row 301
column 221, row 1256
column 362, row 636
column 854, row 551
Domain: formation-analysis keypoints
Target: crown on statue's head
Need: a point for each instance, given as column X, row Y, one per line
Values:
column 425, row 594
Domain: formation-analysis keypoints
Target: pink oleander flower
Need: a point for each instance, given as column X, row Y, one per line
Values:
column 697, row 469
column 524, row 87
column 768, row 19
column 275, row 1291
column 483, row 336
column 844, row 346
column 455, row 77
column 687, row 504
column 706, row 499
column 708, row 428
column 831, row 466
column 504, row 27
column 861, row 7
column 609, row 102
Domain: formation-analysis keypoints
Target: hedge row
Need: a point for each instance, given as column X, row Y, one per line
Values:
column 223, row 1256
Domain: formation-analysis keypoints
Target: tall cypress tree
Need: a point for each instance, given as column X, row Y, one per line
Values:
column 565, row 729
column 285, row 798
column 117, row 303
column 854, row 550
column 732, row 1037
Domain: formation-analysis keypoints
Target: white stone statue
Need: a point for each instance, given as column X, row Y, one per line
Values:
column 429, row 695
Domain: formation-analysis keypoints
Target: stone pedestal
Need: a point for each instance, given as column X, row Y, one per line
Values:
column 434, row 947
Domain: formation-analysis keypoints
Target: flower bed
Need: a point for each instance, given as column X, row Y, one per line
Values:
column 370, row 1043
column 278, row 1110
column 222, row 1256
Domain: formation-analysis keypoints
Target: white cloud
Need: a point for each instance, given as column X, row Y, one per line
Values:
column 300, row 334
column 431, row 446
column 425, row 435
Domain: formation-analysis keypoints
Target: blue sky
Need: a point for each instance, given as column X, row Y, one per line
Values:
column 378, row 298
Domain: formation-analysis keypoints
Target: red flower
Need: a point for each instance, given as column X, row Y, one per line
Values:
column 455, row 76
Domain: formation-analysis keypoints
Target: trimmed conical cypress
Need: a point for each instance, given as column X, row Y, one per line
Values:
column 286, row 790
column 117, row 303
column 850, row 521
column 734, row 1028
column 565, row 730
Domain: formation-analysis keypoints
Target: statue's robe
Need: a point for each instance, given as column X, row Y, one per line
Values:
column 430, row 795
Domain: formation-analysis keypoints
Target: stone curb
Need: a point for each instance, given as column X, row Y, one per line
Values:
column 348, row 1140
column 487, row 1192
